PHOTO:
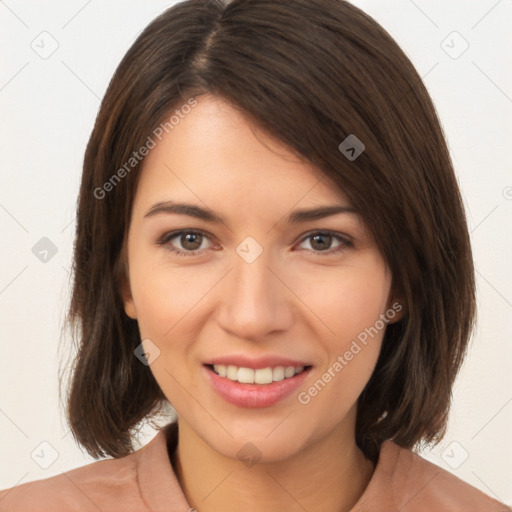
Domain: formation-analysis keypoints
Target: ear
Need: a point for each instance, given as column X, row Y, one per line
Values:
column 124, row 286
column 396, row 310
column 126, row 294
column 396, row 304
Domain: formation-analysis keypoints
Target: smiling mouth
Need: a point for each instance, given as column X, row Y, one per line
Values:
column 259, row 376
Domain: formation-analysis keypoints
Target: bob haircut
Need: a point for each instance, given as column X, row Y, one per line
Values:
column 309, row 73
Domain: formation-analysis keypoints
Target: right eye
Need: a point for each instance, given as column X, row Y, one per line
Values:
column 188, row 239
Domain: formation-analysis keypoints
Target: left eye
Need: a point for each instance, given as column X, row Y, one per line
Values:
column 322, row 240
column 192, row 242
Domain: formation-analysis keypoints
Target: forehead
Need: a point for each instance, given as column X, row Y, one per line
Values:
column 215, row 156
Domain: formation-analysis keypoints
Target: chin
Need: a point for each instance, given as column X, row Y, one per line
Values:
column 260, row 450
column 254, row 440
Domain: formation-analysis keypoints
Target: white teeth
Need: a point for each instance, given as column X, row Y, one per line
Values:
column 220, row 369
column 289, row 371
column 259, row 376
column 232, row 372
column 245, row 375
column 262, row 376
column 278, row 373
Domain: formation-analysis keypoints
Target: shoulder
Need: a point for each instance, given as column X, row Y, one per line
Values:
column 417, row 485
column 105, row 485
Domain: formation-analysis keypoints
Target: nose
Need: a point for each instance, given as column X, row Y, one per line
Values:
column 255, row 300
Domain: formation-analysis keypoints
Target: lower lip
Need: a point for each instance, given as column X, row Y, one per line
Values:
column 254, row 395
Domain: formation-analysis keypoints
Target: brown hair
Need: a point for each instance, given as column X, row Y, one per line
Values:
column 309, row 73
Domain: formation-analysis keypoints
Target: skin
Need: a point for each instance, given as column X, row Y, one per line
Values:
column 294, row 300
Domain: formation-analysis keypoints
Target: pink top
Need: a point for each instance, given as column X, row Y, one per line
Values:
column 145, row 481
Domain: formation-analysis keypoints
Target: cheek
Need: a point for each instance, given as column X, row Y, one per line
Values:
column 166, row 297
column 349, row 303
column 349, row 300
column 338, row 385
column 352, row 345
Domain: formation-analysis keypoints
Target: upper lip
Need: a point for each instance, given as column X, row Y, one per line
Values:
column 255, row 363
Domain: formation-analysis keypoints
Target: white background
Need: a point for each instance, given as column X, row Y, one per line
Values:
column 48, row 107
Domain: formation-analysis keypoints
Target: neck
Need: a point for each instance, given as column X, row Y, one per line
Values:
column 328, row 476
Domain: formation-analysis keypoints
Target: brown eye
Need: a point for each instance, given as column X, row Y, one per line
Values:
column 321, row 242
column 191, row 241
column 183, row 243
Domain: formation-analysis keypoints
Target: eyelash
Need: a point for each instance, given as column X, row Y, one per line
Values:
column 167, row 237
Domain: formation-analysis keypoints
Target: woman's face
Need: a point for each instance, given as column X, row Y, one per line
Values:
column 263, row 289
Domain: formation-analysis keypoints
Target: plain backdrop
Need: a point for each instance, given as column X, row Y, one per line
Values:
column 57, row 58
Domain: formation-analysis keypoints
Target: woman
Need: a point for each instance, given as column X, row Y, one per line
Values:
column 234, row 141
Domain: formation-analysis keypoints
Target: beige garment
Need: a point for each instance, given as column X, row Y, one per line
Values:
column 145, row 481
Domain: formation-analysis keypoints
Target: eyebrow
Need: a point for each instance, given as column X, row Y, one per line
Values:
column 208, row 215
